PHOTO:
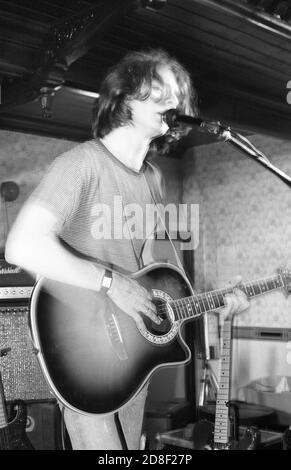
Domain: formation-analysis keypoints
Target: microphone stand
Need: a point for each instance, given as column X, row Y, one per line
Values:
column 245, row 146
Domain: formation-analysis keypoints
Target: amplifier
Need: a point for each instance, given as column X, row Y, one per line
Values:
column 43, row 425
column 19, row 292
column 21, row 374
column 163, row 416
column 11, row 275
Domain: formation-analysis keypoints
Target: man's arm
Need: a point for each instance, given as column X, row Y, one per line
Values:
column 33, row 244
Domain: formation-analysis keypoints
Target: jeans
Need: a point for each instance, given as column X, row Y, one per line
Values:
column 99, row 432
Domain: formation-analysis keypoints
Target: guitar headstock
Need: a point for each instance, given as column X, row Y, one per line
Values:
column 285, row 275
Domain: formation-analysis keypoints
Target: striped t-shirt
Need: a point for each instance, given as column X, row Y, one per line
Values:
column 101, row 204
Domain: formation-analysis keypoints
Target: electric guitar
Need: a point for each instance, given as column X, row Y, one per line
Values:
column 93, row 355
column 223, row 434
column 12, row 434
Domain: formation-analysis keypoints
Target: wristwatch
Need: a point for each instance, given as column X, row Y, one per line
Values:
column 106, row 281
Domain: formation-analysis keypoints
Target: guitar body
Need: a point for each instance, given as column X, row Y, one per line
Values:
column 91, row 353
column 203, row 438
column 13, row 436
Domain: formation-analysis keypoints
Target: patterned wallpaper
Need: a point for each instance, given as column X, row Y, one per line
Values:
column 24, row 159
column 245, row 221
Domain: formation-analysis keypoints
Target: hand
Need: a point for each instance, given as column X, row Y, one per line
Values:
column 133, row 299
column 236, row 302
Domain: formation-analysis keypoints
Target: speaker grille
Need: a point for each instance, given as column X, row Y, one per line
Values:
column 21, row 373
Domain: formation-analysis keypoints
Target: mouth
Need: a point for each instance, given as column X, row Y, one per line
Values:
column 163, row 113
column 160, row 116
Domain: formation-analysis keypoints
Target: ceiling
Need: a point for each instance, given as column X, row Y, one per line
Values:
column 53, row 54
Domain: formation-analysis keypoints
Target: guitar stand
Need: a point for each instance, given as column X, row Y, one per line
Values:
column 208, row 383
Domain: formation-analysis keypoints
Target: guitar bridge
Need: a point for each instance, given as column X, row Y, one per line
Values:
column 115, row 336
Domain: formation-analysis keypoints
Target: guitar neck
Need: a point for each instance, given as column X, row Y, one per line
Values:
column 3, row 412
column 221, row 428
column 194, row 306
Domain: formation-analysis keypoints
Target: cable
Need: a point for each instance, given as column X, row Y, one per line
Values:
column 120, row 431
column 63, row 428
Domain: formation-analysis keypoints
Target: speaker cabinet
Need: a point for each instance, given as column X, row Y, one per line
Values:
column 21, row 374
column 164, row 416
column 43, row 425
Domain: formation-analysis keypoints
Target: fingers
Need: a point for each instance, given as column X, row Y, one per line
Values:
column 147, row 296
column 235, row 281
column 236, row 302
column 139, row 321
column 137, row 317
column 150, row 311
column 243, row 300
column 134, row 300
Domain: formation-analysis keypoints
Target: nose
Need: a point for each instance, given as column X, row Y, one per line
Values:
column 172, row 100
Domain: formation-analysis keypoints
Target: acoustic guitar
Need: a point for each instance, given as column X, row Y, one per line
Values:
column 93, row 355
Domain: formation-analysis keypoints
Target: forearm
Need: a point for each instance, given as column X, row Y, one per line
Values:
column 33, row 244
column 47, row 257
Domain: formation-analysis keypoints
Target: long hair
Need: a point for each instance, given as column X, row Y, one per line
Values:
column 131, row 78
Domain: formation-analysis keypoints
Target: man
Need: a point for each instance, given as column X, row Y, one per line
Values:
column 127, row 119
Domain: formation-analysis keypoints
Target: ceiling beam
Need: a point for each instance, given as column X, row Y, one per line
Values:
column 251, row 15
column 45, row 127
column 66, row 42
column 239, row 109
column 74, row 38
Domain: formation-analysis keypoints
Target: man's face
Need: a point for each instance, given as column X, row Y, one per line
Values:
column 147, row 114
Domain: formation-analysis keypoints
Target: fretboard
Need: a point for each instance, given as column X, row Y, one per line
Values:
column 3, row 412
column 190, row 307
column 221, row 428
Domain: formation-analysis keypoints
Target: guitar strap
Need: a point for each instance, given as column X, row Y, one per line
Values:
column 132, row 239
column 153, row 187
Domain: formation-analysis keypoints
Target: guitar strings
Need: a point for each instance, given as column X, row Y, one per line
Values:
column 204, row 296
column 198, row 300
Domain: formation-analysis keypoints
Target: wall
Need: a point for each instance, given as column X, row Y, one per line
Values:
column 24, row 159
column 245, row 229
column 245, row 225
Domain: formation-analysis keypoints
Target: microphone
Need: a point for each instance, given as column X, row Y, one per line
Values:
column 173, row 119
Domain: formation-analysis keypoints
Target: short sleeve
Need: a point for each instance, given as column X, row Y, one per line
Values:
column 61, row 187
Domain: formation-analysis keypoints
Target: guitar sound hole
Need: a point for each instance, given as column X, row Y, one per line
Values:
column 162, row 312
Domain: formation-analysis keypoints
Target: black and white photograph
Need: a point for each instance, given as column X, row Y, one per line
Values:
column 145, row 228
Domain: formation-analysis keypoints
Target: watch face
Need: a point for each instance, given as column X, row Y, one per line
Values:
column 106, row 281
